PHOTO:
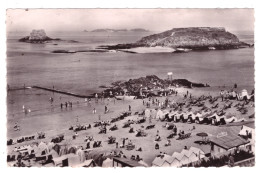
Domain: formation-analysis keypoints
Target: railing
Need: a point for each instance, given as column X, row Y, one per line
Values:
column 246, row 162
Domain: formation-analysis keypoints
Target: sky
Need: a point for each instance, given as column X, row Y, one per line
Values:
column 151, row 19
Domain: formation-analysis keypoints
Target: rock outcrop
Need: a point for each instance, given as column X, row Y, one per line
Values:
column 133, row 86
column 37, row 36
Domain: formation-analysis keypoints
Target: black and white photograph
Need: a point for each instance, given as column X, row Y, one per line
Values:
column 130, row 87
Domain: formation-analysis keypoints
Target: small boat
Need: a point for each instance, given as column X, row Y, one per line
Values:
column 125, row 97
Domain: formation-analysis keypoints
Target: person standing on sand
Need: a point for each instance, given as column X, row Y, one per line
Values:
column 105, row 109
column 129, row 108
column 94, row 111
column 123, row 142
column 222, row 95
column 61, row 105
column 77, row 119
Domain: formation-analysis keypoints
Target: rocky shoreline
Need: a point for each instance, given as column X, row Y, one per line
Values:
column 151, row 85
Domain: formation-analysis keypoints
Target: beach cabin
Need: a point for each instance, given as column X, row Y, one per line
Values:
column 124, row 162
column 160, row 115
column 248, row 132
column 160, row 162
column 227, row 144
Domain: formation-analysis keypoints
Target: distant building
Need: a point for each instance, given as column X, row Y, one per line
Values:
column 227, row 144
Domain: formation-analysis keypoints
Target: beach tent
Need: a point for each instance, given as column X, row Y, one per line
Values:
column 50, row 146
column 81, row 155
column 171, row 114
column 160, row 114
column 57, row 148
column 199, row 153
column 143, row 163
column 86, row 163
column 185, row 115
column 169, row 159
column 147, row 113
column 153, row 113
column 231, row 119
column 107, row 163
column 244, row 130
column 158, row 162
column 43, row 147
column 54, row 153
column 29, row 149
column 63, row 151
column 74, row 159
column 175, row 163
column 244, row 93
column 72, row 150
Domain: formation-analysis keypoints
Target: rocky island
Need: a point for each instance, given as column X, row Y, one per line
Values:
column 186, row 39
column 39, row 36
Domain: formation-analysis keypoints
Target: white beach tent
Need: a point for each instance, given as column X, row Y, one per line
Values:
column 168, row 160
column 81, row 155
column 107, row 163
column 244, row 93
column 153, row 113
column 185, row 115
column 172, row 114
column 184, row 159
column 177, row 157
column 159, row 114
column 50, row 146
column 175, row 163
column 244, row 130
column 158, row 162
column 43, row 147
column 147, row 113
column 143, row 163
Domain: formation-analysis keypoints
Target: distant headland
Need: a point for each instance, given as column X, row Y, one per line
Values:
column 119, row 30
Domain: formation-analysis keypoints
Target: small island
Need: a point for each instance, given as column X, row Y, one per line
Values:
column 40, row 37
column 109, row 30
column 185, row 40
column 139, row 30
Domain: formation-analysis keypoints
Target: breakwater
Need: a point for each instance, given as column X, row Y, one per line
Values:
column 61, row 92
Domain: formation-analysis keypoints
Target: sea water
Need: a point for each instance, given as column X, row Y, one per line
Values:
column 83, row 73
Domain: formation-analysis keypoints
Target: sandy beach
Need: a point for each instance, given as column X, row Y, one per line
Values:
column 57, row 121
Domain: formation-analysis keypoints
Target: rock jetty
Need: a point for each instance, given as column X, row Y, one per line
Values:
column 149, row 83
